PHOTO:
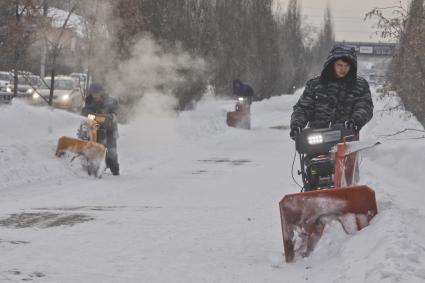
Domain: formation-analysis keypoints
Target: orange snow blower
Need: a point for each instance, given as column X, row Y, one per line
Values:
column 241, row 117
column 90, row 144
column 329, row 171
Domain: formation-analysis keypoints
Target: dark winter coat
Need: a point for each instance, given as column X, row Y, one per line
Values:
column 242, row 89
column 107, row 106
column 329, row 100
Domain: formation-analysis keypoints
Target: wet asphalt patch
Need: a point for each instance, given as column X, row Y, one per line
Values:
column 16, row 274
column 13, row 242
column 43, row 220
column 199, row 172
column 235, row 162
column 280, row 127
column 99, row 208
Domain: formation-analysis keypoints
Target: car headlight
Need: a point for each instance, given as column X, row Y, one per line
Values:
column 65, row 97
column 30, row 91
column 241, row 99
column 8, row 89
column 35, row 96
column 315, row 139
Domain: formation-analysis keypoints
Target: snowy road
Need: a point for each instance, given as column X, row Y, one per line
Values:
column 197, row 202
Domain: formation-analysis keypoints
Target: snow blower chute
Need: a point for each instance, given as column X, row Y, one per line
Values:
column 329, row 172
column 90, row 143
column 241, row 117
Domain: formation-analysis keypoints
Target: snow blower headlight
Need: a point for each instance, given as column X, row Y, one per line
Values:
column 91, row 117
column 315, row 139
column 241, row 99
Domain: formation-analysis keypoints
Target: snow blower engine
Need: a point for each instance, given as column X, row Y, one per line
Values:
column 316, row 160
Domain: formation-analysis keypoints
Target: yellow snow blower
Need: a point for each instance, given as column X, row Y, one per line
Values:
column 329, row 171
column 90, row 143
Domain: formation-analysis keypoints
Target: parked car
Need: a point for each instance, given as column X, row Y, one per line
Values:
column 27, row 82
column 5, row 79
column 80, row 78
column 5, row 97
column 66, row 94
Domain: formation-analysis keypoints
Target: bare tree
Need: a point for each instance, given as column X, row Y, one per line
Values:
column 19, row 27
column 99, row 55
column 407, row 70
column 54, row 39
column 295, row 57
column 239, row 38
column 325, row 41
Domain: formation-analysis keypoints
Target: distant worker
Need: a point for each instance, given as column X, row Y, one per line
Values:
column 244, row 90
column 99, row 102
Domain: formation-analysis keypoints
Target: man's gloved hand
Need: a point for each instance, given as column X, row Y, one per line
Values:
column 295, row 132
column 350, row 124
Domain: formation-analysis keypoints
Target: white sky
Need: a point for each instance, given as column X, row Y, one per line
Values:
column 348, row 16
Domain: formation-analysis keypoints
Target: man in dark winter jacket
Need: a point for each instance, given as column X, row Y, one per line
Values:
column 338, row 95
column 241, row 89
column 98, row 102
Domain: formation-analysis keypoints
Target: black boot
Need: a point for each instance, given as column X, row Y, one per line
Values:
column 112, row 161
column 113, row 166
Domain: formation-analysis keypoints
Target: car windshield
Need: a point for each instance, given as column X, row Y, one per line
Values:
column 23, row 80
column 61, row 84
column 34, row 80
column 4, row 77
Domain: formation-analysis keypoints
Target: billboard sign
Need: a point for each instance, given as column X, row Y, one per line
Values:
column 366, row 50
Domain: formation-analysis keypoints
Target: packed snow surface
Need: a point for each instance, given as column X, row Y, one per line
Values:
column 198, row 201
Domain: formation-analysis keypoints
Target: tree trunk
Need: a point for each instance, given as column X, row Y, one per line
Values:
column 52, row 81
column 16, row 57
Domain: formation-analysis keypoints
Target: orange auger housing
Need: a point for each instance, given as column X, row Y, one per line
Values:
column 241, row 117
column 91, row 150
column 88, row 146
column 304, row 215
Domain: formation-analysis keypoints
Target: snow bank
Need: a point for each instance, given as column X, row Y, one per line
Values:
column 198, row 201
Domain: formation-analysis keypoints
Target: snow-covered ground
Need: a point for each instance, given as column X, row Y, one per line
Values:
column 198, row 201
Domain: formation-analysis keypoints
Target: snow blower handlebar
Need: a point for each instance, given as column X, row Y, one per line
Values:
column 316, row 141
